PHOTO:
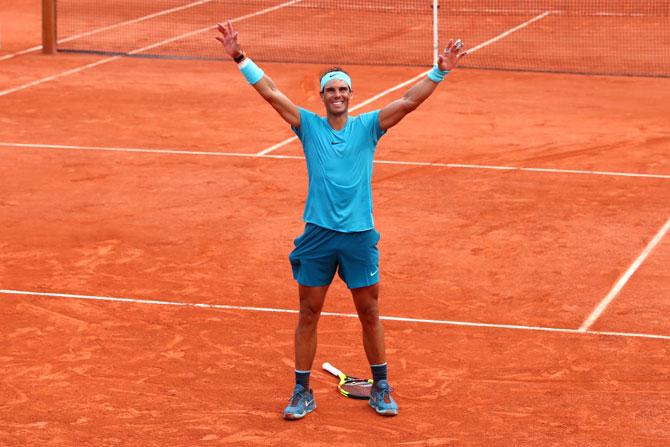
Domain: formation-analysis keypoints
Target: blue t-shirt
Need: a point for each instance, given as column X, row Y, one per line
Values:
column 339, row 168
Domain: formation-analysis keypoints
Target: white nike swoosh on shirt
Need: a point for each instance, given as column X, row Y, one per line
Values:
column 373, row 273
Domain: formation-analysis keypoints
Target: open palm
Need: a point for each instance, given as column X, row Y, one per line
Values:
column 228, row 38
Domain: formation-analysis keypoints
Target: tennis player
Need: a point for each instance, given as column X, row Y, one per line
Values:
column 339, row 232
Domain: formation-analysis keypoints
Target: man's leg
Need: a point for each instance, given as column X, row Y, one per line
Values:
column 366, row 300
column 367, row 306
column 311, row 303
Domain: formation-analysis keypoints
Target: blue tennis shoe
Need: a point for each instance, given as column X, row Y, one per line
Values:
column 381, row 400
column 301, row 403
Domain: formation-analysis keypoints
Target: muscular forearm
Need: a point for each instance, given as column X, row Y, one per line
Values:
column 266, row 88
column 394, row 112
column 419, row 93
column 260, row 81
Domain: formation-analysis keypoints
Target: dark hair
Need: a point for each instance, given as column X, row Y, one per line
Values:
column 330, row 70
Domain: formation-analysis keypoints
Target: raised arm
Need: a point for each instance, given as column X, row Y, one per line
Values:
column 392, row 113
column 264, row 85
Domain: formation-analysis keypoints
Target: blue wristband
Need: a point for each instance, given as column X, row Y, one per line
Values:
column 251, row 71
column 436, row 75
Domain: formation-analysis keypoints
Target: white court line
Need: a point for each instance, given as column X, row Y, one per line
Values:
column 110, row 27
column 144, row 150
column 330, row 314
column 414, row 79
column 140, row 50
column 558, row 12
column 299, row 157
column 59, row 75
column 600, row 308
column 510, row 31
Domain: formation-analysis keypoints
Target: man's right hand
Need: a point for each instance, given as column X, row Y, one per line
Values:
column 265, row 87
column 229, row 39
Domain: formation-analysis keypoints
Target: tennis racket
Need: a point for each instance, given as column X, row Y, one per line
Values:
column 351, row 387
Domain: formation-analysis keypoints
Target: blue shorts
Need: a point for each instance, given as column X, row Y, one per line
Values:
column 319, row 252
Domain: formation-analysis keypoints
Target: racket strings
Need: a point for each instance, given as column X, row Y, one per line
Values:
column 358, row 382
column 357, row 387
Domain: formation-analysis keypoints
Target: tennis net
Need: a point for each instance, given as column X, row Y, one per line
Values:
column 610, row 37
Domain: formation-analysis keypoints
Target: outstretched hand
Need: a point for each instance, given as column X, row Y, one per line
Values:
column 228, row 38
column 451, row 55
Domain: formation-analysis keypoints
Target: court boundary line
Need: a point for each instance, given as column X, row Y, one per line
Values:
column 332, row 314
column 140, row 50
column 299, row 157
column 508, row 32
column 558, row 12
column 619, row 285
column 415, row 78
column 109, row 27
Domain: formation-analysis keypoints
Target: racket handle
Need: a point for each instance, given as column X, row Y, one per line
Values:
column 331, row 369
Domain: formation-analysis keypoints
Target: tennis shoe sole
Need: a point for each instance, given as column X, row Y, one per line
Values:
column 296, row 416
column 384, row 412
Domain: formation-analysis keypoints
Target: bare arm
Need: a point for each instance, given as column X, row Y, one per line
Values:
column 265, row 87
column 391, row 114
column 284, row 106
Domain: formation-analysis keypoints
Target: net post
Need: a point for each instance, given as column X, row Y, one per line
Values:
column 49, row 34
column 436, row 5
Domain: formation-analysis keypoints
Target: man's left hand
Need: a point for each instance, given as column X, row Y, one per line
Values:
column 451, row 55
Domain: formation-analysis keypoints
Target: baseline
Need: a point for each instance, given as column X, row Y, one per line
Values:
column 331, row 314
column 298, row 157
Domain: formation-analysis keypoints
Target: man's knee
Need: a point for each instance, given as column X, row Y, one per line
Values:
column 369, row 315
column 309, row 315
column 311, row 303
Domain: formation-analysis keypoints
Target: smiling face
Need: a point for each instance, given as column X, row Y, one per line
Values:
column 335, row 96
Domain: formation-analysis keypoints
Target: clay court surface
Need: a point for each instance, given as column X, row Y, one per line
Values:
column 147, row 299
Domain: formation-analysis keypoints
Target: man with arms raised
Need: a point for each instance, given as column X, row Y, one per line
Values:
column 339, row 231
